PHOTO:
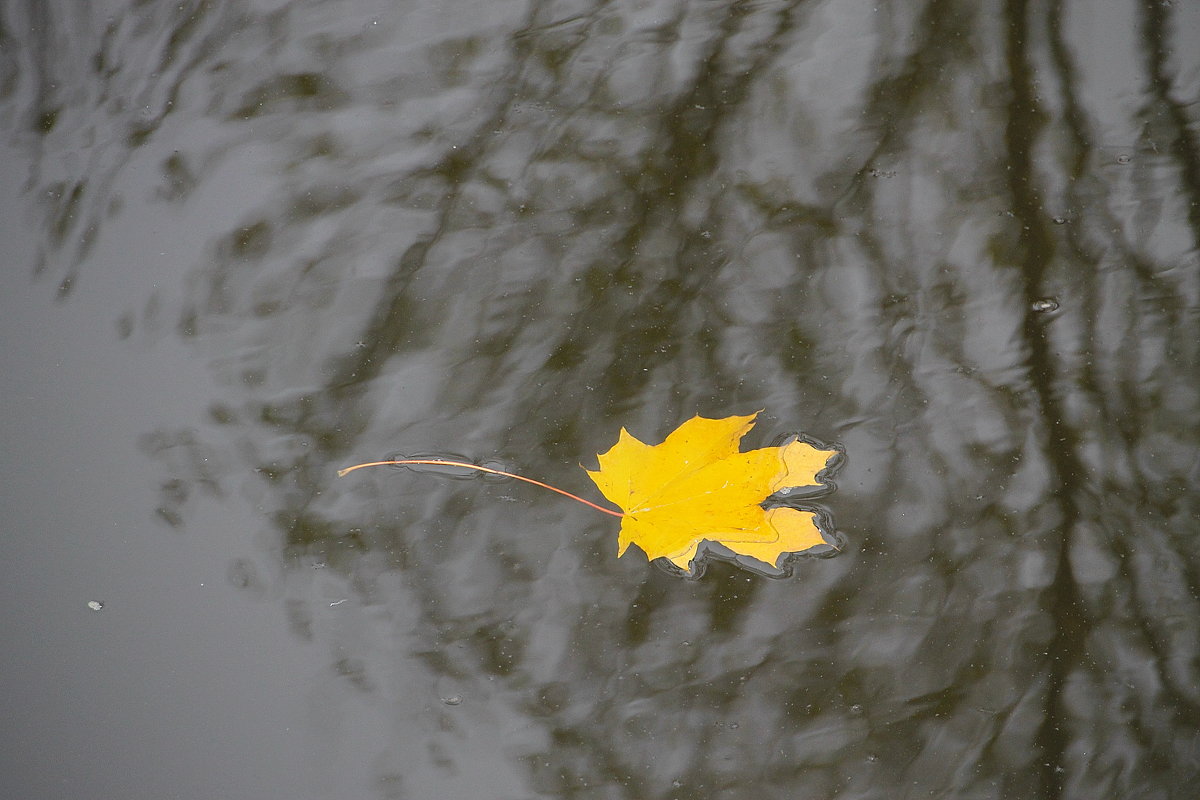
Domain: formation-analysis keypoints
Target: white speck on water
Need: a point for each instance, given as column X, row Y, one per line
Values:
column 95, row 605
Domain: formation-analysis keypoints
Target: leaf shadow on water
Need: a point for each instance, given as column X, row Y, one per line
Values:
column 512, row 241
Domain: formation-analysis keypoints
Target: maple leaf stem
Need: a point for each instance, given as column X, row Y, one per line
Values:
column 467, row 465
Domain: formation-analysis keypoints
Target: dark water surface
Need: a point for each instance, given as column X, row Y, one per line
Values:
column 246, row 243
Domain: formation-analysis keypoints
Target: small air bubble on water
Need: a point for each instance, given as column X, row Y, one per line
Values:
column 453, row 700
column 1124, row 158
column 1060, row 220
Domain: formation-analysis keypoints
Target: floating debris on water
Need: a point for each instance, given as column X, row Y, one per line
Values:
column 95, row 605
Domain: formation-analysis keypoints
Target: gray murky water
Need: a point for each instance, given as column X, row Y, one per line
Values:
column 248, row 243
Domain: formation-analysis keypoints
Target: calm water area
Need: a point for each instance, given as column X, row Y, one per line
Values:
column 246, row 243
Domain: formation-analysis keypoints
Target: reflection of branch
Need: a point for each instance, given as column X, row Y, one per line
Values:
column 1025, row 122
column 1184, row 145
column 1091, row 238
column 896, row 100
column 105, row 105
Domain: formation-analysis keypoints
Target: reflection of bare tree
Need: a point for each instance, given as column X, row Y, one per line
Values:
column 908, row 230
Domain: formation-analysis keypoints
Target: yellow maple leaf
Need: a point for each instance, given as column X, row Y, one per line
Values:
column 696, row 486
